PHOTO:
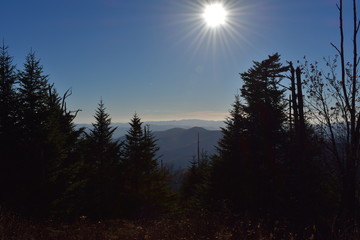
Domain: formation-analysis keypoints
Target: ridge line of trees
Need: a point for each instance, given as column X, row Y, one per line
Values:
column 49, row 167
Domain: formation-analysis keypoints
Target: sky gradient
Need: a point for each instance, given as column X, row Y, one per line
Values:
column 158, row 58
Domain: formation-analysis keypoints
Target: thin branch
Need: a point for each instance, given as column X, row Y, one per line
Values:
column 335, row 48
column 75, row 113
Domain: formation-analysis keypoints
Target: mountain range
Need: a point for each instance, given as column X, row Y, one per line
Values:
column 179, row 146
column 122, row 128
column 178, row 139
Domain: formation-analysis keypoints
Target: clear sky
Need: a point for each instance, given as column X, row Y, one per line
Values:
column 158, row 57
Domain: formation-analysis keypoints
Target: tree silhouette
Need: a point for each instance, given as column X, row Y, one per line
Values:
column 33, row 162
column 104, row 150
column 33, row 90
column 195, row 183
column 333, row 102
column 62, row 149
column 247, row 174
column 7, row 93
column 102, row 160
column 93, row 176
column 144, row 181
column 232, row 166
column 9, row 131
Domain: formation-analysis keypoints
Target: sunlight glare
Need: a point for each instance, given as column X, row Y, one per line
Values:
column 215, row 15
column 214, row 26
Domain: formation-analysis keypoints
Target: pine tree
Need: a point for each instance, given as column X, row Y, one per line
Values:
column 195, row 183
column 9, row 132
column 33, row 94
column 133, row 153
column 267, row 137
column 235, row 130
column 43, row 141
column 265, row 105
column 62, row 150
column 33, row 162
column 265, row 110
column 103, row 149
column 144, row 181
column 61, row 135
column 102, row 189
column 7, row 92
column 246, row 173
column 232, row 168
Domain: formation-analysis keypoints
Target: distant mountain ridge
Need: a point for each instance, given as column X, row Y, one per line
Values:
column 178, row 146
column 177, row 139
column 122, row 128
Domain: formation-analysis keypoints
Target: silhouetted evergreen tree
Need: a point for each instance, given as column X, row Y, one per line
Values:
column 8, row 124
column 104, row 150
column 62, row 149
column 195, row 183
column 8, row 97
column 38, row 138
column 32, row 164
column 145, row 190
column 102, row 160
column 247, row 175
column 265, row 113
column 33, row 96
column 232, row 168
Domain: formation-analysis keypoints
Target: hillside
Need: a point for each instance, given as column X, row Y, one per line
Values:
column 178, row 139
column 178, row 146
column 155, row 126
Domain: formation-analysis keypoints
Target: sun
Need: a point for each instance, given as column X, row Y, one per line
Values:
column 215, row 15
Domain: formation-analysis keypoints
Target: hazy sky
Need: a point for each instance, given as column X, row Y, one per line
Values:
column 157, row 57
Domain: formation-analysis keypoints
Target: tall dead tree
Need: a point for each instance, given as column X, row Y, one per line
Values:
column 297, row 104
column 350, row 91
column 334, row 101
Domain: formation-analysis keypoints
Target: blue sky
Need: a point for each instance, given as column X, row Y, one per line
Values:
column 157, row 57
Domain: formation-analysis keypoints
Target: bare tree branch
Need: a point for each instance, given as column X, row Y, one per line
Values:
column 335, row 48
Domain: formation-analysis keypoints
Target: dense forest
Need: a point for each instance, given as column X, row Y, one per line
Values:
column 288, row 158
column 52, row 168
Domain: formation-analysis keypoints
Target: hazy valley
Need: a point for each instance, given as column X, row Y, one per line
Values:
column 178, row 139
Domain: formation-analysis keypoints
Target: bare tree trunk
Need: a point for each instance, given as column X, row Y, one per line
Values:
column 336, row 104
column 290, row 115
column 294, row 97
column 349, row 202
column 301, row 128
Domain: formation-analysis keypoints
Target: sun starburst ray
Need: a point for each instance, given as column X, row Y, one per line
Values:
column 234, row 31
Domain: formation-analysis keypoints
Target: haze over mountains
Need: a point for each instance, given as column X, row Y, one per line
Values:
column 178, row 139
column 178, row 146
column 122, row 128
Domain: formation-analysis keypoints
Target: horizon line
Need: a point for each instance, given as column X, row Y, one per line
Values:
column 172, row 120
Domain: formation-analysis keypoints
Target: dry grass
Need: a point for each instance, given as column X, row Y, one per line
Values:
column 199, row 226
